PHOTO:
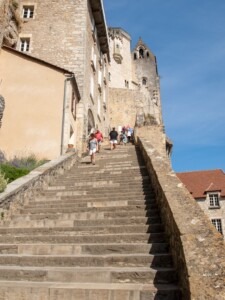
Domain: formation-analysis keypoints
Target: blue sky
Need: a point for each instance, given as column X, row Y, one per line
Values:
column 188, row 38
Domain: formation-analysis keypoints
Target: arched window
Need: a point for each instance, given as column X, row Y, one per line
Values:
column 147, row 54
column 144, row 81
column 141, row 53
column 135, row 56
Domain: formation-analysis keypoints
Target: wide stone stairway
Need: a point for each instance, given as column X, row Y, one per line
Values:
column 95, row 234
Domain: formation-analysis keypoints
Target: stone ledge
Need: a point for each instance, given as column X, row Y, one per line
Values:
column 21, row 190
column 198, row 249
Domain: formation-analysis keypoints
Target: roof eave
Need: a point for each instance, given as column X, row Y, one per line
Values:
column 100, row 22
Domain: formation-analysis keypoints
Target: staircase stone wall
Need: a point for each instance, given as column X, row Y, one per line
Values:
column 20, row 191
column 198, row 249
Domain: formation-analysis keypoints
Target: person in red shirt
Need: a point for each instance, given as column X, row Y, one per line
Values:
column 99, row 137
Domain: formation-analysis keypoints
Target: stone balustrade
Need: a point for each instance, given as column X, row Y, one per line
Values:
column 198, row 249
column 21, row 190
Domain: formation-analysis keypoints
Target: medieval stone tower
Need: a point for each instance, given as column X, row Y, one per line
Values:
column 134, row 82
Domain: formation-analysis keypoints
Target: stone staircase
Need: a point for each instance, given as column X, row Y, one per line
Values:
column 95, row 234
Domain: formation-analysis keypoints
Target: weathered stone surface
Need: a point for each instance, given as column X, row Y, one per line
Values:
column 198, row 249
column 102, row 239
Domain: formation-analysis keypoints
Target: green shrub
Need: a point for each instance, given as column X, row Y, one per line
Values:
column 3, row 182
column 11, row 172
column 17, row 167
column 29, row 162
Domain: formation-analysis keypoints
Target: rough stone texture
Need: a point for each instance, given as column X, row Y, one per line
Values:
column 123, row 106
column 121, row 70
column 9, row 23
column 198, row 249
column 61, row 33
column 129, row 73
column 21, row 190
column 2, row 108
column 93, row 233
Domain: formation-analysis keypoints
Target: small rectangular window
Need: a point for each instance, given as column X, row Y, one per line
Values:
column 218, row 224
column 28, row 12
column 214, row 200
column 74, row 102
column 24, row 44
column 92, row 88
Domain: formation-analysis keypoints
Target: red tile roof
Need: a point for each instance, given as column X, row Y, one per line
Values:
column 199, row 183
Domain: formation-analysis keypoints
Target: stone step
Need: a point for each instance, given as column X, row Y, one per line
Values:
column 82, row 196
column 48, row 222
column 113, row 209
column 116, row 177
column 83, row 230
column 89, row 274
column 98, row 187
column 117, row 191
column 114, row 172
column 94, row 234
column 92, row 215
column 83, row 239
column 92, row 249
column 86, row 204
column 89, row 201
column 87, row 170
column 109, row 260
column 15, row 290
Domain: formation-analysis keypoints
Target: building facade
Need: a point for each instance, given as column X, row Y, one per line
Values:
column 134, row 82
column 74, row 37
column 117, row 86
column 208, row 189
column 40, row 115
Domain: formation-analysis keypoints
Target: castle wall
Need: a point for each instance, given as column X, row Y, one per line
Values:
column 120, row 66
column 124, row 106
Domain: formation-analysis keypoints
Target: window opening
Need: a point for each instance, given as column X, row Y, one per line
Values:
column 24, row 45
column 135, row 56
column 218, row 224
column 28, row 12
column 141, row 53
column 214, row 200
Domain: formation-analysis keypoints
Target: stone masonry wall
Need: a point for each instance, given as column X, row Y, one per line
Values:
column 198, row 249
column 120, row 44
column 21, row 190
column 57, row 33
column 123, row 105
column 2, row 19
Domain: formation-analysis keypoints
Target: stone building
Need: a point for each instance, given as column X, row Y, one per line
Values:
column 40, row 115
column 134, row 82
column 208, row 189
column 117, row 87
column 73, row 37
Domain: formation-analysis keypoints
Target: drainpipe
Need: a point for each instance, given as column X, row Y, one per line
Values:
column 68, row 77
